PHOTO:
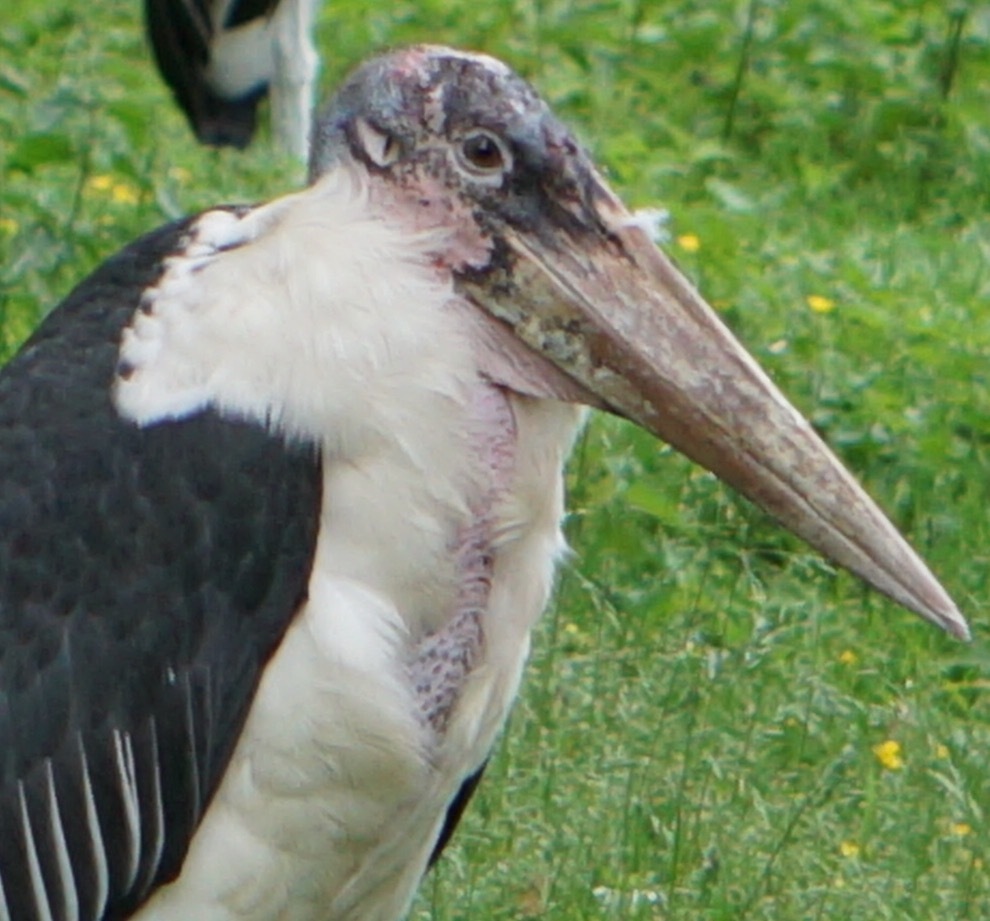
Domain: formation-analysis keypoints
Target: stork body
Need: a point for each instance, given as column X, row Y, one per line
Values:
column 222, row 57
column 281, row 501
column 441, row 500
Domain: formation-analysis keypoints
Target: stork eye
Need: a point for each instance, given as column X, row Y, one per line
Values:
column 483, row 154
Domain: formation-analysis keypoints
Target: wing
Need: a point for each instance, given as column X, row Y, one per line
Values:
column 240, row 12
column 146, row 576
column 182, row 33
column 455, row 812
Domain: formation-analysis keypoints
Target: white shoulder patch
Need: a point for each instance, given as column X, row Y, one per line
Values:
column 278, row 313
column 155, row 379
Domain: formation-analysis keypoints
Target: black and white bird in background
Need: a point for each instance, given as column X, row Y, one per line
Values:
column 222, row 57
column 281, row 501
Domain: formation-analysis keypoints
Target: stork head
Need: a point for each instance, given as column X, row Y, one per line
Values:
column 580, row 303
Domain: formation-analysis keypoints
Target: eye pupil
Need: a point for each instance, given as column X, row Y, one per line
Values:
column 483, row 151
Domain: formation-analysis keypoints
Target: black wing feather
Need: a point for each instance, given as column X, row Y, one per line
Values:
column 181, row 33
column 455, row 812
column 146, row 576
column 243, row 11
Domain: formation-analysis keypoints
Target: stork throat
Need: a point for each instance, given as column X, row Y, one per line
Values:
column 444, row 659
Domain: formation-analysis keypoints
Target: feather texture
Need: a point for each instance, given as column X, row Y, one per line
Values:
column 144, row 582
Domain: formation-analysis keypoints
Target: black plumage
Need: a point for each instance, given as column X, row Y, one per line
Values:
column 182, row 33
column 455, row 812
column 146, row 576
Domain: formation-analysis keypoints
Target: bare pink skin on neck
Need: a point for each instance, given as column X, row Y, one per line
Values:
column 445, row 658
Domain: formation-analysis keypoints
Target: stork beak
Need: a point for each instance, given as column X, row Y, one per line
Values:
column 612, row 312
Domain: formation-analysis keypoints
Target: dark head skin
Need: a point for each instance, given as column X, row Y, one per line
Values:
column 474, row 125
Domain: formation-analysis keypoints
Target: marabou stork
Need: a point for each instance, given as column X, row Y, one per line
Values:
column 281, row 501
column 222, row 57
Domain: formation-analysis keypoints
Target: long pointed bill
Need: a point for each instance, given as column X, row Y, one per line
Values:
column 617, row 317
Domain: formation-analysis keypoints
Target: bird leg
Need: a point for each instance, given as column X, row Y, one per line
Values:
column 294, row 75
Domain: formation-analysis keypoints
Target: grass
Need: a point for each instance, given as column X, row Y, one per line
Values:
column 697, row 734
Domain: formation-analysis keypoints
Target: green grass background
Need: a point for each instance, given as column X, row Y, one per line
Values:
column 696, row 735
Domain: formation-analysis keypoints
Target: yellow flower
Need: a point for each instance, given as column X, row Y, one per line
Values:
column 889, row 754
column 101, row 183
column 961, row 829
column 849, row 849
column 820, row 304
column 941, row 751
column 848, row 657
column 689, row 242
column 124, row 193
column 9, row 226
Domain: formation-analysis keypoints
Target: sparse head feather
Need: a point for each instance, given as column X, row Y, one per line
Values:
column 408, row 114
column 424, row 89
